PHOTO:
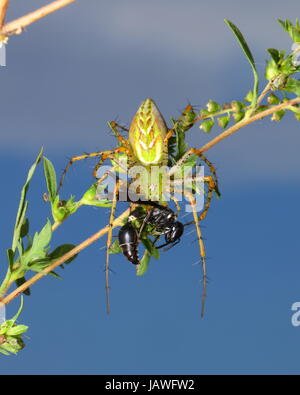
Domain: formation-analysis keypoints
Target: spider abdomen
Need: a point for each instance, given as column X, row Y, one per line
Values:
column 147, row 133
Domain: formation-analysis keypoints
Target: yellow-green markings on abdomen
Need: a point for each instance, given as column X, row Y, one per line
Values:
column 146, row 134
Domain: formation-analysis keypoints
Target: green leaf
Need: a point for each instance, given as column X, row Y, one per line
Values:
column 180, row 144
column 21, row 281
column 153, row 251
column 293, row 31
column 24, row 228
column 42, row 239
column 115, row 248
column 293, row 86
column 249, row 56
column 144, row 263
column 17, row 330
column 50, row 176
column 23, row 204
column 62, row 250
column 275, row 55
column 38, row 249
column 13, row 344
column 10, row 257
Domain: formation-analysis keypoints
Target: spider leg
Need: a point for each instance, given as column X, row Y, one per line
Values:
column 175, row 200
column 171, row 246
column 103, row 154
column 185, row 157
column 114, row 126
column 212, row 169
column 191, row 198
column 108, row 244
column 211, row 181
column 183, row 121
column 211, row 188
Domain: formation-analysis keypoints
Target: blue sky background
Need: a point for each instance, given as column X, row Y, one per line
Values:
column 91, row 62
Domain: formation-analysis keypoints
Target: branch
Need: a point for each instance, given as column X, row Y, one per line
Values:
column 3, row 8
column 17, row 26
column 117, row 222
column 247, row 121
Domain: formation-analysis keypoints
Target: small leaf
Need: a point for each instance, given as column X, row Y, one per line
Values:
column 10, row 256
column 153, row 251
column 249, row 97
column 23, row 204
column 42, row 239
column 24, row 228
column 17, row 330
column 38, row 249
column 248, row 54
column 144, row 263
column 50, row 176
column 115, row 248
column 293, row 31
column 21, row 281
column 293, row 86
column 181, row 145
column 62, row 250
column 275, row 55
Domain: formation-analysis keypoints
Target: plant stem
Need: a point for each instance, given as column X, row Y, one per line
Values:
column 6, row 283
column 263, row 93
column 3, row 8
column 246, row 122
column 17, row 26
column 117, row 222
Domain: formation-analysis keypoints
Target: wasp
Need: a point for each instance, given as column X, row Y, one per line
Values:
column 163, row 220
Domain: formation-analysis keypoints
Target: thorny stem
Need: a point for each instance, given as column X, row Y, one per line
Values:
column 3, row 9
column 17, row 26
column 247, row 121
column 117, row 222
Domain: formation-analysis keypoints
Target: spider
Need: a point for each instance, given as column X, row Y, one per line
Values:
column 150, row 144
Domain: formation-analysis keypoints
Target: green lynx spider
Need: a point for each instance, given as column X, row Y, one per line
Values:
column 150, row 143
